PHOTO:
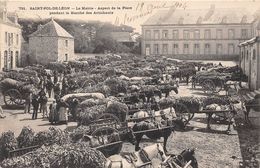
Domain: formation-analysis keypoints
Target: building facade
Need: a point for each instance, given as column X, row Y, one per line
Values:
column 196, row 34
column 250, row 56
column 50, row 43
column 10, row 39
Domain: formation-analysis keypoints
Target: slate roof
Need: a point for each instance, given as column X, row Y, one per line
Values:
column 51, row 29
column 199, row 16
column 8, row 21
column 122, row 36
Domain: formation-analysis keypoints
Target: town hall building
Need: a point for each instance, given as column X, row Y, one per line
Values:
column 197, row 34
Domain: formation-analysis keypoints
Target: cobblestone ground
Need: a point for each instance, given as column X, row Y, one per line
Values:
column 215, row 149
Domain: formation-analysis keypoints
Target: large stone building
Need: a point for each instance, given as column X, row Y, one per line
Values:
column 50, row 43
column 10, row 39
column 250, row 56
column 196, row 34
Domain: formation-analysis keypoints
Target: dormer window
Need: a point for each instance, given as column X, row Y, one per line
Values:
column 224, row 19
column 199, row 21
column 244, row 19
column 181, row 20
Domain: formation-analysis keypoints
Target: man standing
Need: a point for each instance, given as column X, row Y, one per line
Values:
column 35, row 104
column 49, row 86
column 43, row 103
column 28, row 101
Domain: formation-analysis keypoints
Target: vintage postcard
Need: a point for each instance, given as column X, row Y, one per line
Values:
column 125, row 84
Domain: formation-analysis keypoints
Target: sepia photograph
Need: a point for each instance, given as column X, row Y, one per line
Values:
column 130, row 84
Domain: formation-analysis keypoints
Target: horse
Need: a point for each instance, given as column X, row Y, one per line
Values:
column 140, row 158
column 132, row 99
column 158, row 115
column 186, row 157
column 157, row 133
column 167, row 89
column 252, row 104
column 151, row 93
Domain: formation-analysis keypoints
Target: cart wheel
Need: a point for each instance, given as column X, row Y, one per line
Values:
column 106, row 136
column 183, row 112
column 209, row 86
column 107, row 117
column 13, row 97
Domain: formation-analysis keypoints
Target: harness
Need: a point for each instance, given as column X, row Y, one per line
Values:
column 132, row 158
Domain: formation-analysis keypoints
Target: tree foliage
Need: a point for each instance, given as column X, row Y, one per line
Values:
column 90, row 37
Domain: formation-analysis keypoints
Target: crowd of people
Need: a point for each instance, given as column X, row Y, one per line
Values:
column 48, row 100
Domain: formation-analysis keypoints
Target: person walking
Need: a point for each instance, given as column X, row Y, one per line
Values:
column 73, row 108
column 65, row 86
column 2, row 115
column 55, row 77
column 53, row 116
column 49, row 86
column 193, row 82
column 28, row 101
column 35, row 104
column 41, row 81
column 43, row 103
column 56, row 89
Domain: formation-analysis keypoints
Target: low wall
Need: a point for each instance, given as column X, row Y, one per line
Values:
column 204, row 57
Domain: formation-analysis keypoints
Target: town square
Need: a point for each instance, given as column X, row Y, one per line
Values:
column 163, row 84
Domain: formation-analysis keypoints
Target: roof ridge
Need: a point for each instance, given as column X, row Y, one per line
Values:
column 51, row 28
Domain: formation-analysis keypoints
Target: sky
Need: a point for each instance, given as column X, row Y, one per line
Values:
column 133, row 13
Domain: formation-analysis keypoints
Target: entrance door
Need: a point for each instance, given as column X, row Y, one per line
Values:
column 147, row 49
column 11, row 60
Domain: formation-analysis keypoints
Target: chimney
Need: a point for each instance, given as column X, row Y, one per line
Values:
column 39, row 26
column 210, row 12
column 3, row 11
column 169, row 13
column 3, row 14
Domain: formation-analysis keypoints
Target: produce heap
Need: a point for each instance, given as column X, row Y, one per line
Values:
column 196, row 104
column 28, row 138
column 87, row 115
column 8, row 142
column 70, row 155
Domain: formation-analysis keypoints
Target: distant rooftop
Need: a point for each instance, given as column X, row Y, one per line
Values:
column 199, row 16
column 122, row 36
column 51, row 29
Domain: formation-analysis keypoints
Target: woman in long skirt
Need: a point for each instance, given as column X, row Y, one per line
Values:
column 63, row 112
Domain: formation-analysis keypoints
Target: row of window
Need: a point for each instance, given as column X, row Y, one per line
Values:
column 186, row 49
column 187, row 34
column 11, row 59
column 9, row 38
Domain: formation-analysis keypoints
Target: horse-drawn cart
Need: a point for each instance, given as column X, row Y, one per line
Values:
column 218, row 109
column 15, row 92
column 107, row 134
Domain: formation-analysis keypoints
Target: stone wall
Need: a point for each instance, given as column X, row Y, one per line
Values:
column 63, row 49
column 12, row 48
column 43, row 50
